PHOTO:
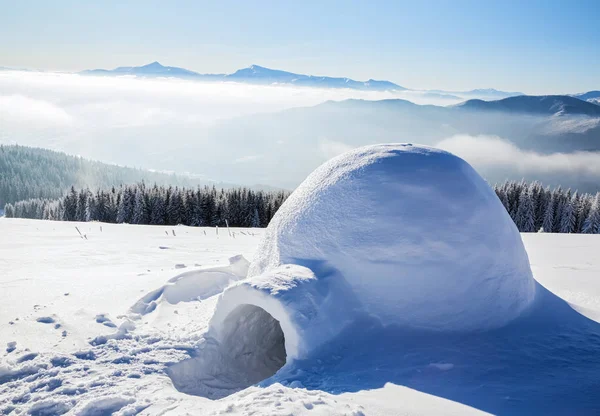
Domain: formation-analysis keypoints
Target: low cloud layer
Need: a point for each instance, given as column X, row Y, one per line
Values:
column 163, row 124
column 53, row 98
column 220, row 131
column 17, row 108
column 498, row 158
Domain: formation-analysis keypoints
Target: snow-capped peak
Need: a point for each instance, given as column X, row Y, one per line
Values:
column 153, row 65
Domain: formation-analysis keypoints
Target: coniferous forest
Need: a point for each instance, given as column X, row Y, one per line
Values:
column 28, row 172
column 532, row 207
column 157, row 205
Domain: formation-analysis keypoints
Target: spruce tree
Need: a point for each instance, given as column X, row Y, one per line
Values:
column 568, row 220
column 525, row 212
column 592, row 222
column 138, row 216
column 585, row 204
column 548, row 223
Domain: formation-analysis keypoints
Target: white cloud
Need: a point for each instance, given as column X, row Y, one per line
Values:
column 489, row 152
column 117, row 101
column 331, row 148
column 17, row 108
column 166, row 123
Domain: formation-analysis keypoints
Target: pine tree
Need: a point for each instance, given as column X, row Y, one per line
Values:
column 158, row 211
column 585, row 204
column 70, row 205
column 548, row 223
column 138, row 216
column 569, row 220
column 558, row 208
column 541, row 201
column 525, row 212
column 9, row 211
column 592, row 222
column 124, row 209
column 80, row 214
column 90, row 208
column 255, row 223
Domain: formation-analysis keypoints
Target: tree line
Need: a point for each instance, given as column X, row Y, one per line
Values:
column 534, row 208
column 156, row 205
column 29, row 173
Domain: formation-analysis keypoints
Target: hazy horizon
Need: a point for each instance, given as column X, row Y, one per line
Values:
column 538, row 48
column 471, row 87
column 249, row 134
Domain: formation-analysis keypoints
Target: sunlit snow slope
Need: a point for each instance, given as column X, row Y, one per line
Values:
column 93, row 325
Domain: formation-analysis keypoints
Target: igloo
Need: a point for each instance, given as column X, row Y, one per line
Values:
column 409, row 235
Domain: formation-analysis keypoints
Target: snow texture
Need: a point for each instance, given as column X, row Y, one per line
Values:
column 544, row 362
column 408, row 234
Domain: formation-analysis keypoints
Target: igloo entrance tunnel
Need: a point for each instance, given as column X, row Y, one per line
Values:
column 409, row 235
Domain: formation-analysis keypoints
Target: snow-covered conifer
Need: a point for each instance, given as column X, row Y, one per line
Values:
column 592, row 222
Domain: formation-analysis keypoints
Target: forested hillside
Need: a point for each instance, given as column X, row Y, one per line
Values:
column 534, row 208
column 27, row 173
column 157, row 205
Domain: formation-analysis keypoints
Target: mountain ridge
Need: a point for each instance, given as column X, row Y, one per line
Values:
column 254, row 74
column 257, row 74
column 536, row 104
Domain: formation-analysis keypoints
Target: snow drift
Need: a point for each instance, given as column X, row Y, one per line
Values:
column 396, row 232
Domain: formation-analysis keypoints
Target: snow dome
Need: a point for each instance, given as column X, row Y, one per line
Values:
column 408, row 234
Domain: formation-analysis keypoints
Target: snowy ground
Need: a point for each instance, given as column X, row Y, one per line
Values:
column 90, row 325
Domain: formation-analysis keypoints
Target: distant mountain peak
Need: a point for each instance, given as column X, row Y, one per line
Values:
column 154, row 64
column 254, row 74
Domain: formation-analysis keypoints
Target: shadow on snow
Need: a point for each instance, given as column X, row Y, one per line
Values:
column 547, row 361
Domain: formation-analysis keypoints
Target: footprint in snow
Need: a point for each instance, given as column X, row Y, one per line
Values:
column 104, row 320
column 45, row 320
column 27, row 357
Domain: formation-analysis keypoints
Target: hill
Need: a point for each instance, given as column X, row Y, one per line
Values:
column 27, row 172
column 590, row 96
column 529, row 104
column 309, row 135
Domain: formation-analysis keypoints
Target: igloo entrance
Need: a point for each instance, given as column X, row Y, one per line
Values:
column 251, row 349
column 255, row 342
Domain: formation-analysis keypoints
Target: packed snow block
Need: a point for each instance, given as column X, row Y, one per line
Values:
column 306, row 307
column 416, row 236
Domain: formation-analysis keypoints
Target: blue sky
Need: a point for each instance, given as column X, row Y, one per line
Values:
column 531, row 46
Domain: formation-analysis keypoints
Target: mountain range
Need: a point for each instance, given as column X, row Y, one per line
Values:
column 545, row 104
column 254, row 74
column 309, row 135
column 261, row 75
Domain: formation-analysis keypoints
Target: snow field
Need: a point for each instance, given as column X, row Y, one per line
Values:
column 120, row 358
column 546, row 363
